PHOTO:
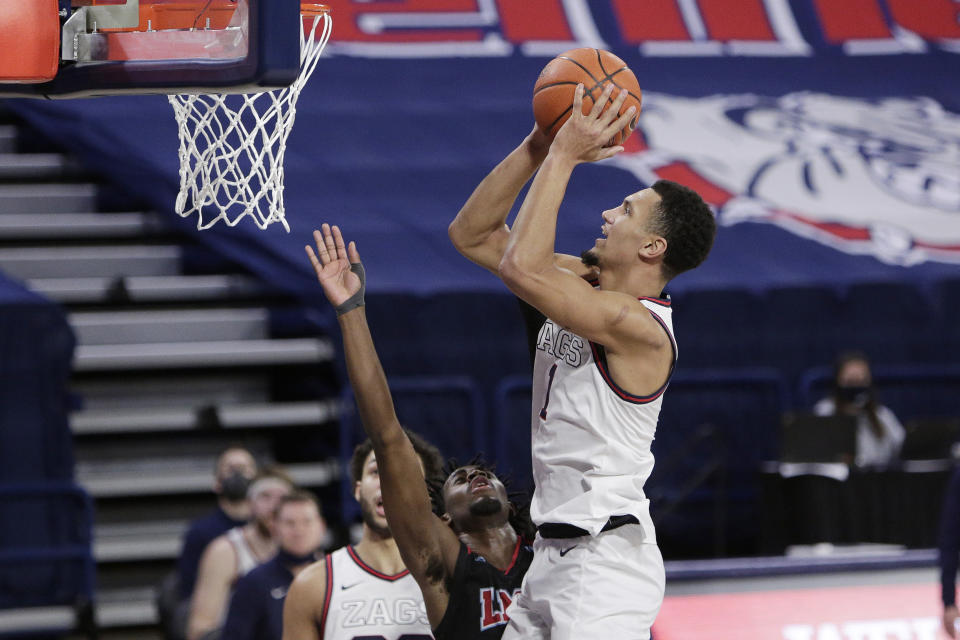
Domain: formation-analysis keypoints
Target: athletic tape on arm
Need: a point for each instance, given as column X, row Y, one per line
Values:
column 356, row 300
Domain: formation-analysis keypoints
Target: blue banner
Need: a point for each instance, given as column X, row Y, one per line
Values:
column 825, row 134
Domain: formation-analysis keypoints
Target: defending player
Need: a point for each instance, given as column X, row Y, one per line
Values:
column 470, row 558
column 604, row 358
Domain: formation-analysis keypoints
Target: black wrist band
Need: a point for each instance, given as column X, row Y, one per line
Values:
column 356, row 300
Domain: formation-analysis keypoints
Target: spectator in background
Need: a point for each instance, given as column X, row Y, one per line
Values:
column 879, row 434
column 234, row 470
column 236, row 553
column 949, row 552
column 256, row 608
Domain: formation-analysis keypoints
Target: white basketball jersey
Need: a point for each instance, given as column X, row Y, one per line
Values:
column 364, row 603
column 591, row 439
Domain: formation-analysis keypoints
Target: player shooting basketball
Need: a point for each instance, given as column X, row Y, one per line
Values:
column 604, row 357
column 467, row 551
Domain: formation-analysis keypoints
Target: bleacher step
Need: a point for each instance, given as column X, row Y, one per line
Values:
column 100, row 261
column 35, row 166
column 276, row 414
column 65, row 226
column 131, row 542
column 127, row 607
column 28, row 621
column 48, row 198
column 170, row 288
column 191, row 355
column 231, row 416
column 159, row 390
column 8, row 138
column 178, row 476
column 183, row 325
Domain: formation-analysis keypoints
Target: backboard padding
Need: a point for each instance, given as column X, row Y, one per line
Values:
column 271, row 59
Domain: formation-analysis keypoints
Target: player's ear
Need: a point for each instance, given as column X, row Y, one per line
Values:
column 356, row 491
column 652, row 247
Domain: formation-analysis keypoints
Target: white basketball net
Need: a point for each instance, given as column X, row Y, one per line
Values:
column 231, row 156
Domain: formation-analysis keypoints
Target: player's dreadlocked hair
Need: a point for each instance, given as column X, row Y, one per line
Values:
column 686, row 222
column 519, row 515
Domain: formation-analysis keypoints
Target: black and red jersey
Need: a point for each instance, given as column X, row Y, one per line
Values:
column 480, row 594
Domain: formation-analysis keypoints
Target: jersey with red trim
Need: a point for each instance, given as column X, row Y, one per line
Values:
column 364, row 603
column 591, row 439
column 480, row 594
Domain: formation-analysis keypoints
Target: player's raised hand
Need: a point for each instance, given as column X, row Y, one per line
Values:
column 538, row 143
column 338, row 266
column 586, row 138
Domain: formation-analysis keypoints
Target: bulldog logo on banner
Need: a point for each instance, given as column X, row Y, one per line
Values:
column 874, row 177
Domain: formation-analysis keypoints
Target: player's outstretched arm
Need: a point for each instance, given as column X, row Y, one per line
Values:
column 528, row 266
column 425, row 541
column 479, row 231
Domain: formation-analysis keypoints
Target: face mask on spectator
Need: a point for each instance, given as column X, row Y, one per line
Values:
column 234, row 487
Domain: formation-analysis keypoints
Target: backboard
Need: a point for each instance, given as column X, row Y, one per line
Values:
column 113, row 47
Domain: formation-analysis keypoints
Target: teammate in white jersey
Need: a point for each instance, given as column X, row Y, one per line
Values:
column 603, row 360
column 362, row 590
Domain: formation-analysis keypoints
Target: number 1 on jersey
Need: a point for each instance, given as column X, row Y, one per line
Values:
column 546, row 401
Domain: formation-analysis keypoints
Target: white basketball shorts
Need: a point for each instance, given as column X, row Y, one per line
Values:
column 604, row 587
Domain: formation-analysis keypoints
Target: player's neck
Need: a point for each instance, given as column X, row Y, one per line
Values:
column 495, row 544
column 638, row 282
column 379, row 553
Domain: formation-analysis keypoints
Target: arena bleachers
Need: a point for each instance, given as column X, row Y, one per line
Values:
column 162, row 353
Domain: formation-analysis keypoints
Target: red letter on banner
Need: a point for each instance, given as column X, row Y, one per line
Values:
column 736, row 20
column 347, row 14
column 931, row 19
column 852, row 20
column 534, row 20
column 643, row 20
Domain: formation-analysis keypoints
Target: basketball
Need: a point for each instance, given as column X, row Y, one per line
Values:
column 595, row 68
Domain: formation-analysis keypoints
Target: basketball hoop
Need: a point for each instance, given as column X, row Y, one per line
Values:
column 232, row 146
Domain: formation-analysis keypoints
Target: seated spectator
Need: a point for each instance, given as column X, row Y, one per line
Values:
column 234, row 554
column 234, row 470
column 879, row 434
column 256, row 608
